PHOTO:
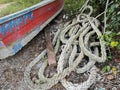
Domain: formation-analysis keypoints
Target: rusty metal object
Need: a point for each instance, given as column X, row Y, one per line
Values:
column 49, row 48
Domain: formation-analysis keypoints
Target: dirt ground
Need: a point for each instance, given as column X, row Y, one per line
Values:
column 12, row 68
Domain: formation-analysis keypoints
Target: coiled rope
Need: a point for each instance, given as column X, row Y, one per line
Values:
column 83, row 33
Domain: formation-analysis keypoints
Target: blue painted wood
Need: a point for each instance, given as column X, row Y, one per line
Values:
column 4, row 28
column 1, row 44
column 17, row 47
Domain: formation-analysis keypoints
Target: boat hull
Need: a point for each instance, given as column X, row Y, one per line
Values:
column 18, row 29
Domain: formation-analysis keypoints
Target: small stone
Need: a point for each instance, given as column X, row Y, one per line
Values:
column 114, row 88
column 110, row 77
column 36, row 54
column 64, row 16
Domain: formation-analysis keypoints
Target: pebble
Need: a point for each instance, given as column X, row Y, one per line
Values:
column 110, row 77
column 114, row 88
column 65, row 17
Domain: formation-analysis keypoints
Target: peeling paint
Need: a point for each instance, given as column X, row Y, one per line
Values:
column 1, row 44
column 17, row 47
column 15, row 24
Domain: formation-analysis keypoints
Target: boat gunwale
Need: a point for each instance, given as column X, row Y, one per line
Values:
column 24, row 11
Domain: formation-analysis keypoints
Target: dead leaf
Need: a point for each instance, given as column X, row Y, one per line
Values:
column 114, row 70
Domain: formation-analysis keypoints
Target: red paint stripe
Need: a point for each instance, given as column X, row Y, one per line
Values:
column 40, row 16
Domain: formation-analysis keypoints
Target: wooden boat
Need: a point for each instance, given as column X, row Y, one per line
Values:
column 17, row 29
